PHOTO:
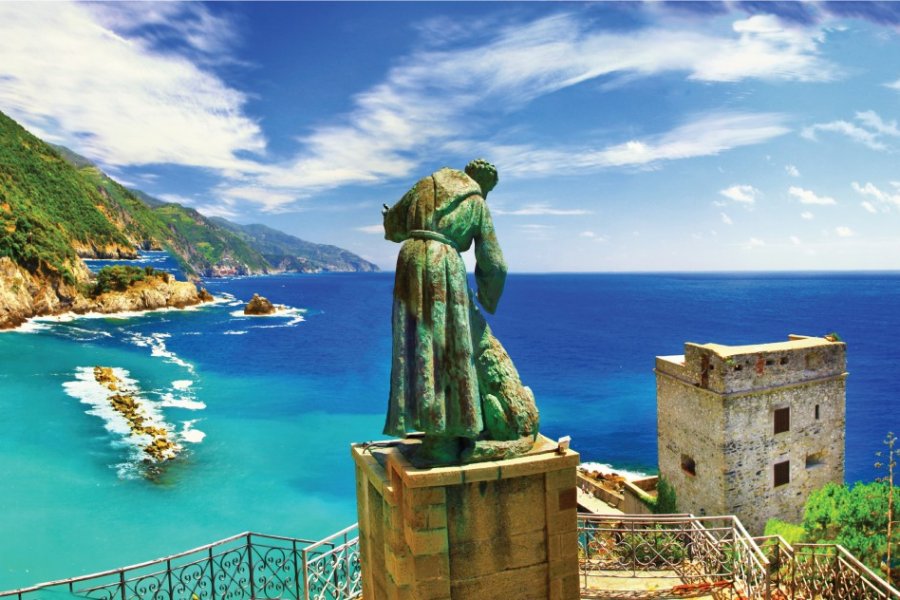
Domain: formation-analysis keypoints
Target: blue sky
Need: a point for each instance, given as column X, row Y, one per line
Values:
column 640, row 136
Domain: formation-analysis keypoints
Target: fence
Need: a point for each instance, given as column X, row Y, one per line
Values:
column 677, row 555
column 826, row 571
column 247, row 566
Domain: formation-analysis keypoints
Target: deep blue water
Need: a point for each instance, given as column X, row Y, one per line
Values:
column 280, row 399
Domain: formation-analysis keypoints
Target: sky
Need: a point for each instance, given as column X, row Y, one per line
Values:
column 628, row 136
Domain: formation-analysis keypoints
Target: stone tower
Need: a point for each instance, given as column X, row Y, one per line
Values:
column 751, row 430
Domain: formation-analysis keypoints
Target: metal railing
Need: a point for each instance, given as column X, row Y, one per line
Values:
column 698, row 556
column 826, row 571
column 247, row 566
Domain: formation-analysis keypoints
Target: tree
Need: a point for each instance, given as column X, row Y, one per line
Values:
column 891, row 459
column 666, row 503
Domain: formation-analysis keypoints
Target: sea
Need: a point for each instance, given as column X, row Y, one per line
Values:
column 266, row 407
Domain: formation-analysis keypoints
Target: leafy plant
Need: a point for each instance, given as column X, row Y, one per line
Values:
column 666, row 501
column 119, row 278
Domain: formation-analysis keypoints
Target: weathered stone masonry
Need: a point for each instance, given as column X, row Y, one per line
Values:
column 752, row 430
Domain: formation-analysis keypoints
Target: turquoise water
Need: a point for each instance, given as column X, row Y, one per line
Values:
column 267, row 407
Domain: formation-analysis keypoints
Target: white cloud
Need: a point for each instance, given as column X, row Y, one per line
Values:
column 895, row 85
column 592, row 236
column 705, row 136
column 755, row 243
column 871, row 131
column 726, row 219
column 807, row 216
column 810, row 197
column 873, row 121
column 84, row 71
column 541, row 209
column 745, row 194
column 843, row 231
column 166, row 107
column 371, row 229
column 269, row 200
column 536, row 232
column 427, row 97
column 795, row 240
column 792, row 170
column 885, row 200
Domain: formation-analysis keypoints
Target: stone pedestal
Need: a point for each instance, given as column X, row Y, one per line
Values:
column 504, row 529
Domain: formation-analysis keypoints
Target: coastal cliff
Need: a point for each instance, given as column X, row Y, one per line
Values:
column 24, row 295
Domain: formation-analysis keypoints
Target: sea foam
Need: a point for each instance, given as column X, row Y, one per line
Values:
column 89, row 391
column 609, row 469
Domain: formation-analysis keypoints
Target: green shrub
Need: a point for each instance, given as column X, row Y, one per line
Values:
column 119, row 278
column 791, row 533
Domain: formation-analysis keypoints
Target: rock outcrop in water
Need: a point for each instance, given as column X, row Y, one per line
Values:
column 259, row 305
column 161, row 446
column 24, row 295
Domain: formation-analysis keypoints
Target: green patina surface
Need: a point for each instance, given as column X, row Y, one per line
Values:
column 451, row 379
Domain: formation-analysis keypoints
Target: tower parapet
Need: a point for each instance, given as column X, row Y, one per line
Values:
column 752, row 430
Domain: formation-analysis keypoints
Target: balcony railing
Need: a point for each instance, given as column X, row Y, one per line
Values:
column 669, row 556
column 247, row 566
column 826, row 571
column 620, row 556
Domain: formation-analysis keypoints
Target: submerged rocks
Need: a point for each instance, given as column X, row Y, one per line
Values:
column 259, row 305
column 160, row 446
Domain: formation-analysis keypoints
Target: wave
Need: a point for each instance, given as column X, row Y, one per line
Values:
column 169, row 400
column 189, row 434
column 157, row 344
column 294, row 316
column 29, row 326
column 233, row 332
column 89, row 391
column 608, row 469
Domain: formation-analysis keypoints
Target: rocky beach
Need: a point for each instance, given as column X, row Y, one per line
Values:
column 24, row 295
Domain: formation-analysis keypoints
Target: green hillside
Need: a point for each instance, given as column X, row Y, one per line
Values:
column 288, row 253
column 56, row 205
column 209, row 248
column 48, row 212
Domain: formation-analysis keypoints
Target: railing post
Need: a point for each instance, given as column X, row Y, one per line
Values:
column 250, row 565
column 169, row 579
column 122, row 584
column 633, row 552
column 212, row 576
column 305, row 574
column 794, row 575
column 296, row 570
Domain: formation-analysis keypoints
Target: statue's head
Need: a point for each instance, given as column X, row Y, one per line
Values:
column 484, row 173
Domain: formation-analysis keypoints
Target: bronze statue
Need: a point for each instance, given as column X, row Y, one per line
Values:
column 451, row 379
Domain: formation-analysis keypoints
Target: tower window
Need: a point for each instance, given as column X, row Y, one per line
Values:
column 814, row 460
column 782, row 420
column 817, row 412
column 688, row 465
column 782, row 473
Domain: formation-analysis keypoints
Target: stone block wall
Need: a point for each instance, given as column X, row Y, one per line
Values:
column 719, row 405
column 488, row 530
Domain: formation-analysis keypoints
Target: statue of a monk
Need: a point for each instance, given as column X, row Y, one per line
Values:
column 451, row 380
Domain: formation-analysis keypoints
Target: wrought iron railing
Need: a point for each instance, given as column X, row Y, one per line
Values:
column 826, row 571
column 247, row 566
column 697, row 556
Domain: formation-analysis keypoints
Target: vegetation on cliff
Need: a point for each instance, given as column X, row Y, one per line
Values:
column 288, row 253
column 119, row 278
column 48, row 214
column 56, row 205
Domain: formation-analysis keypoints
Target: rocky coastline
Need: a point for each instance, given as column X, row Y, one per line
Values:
column 24, row 295
column 160, row 447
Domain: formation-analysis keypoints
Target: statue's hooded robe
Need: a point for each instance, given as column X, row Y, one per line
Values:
column 434, row 383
